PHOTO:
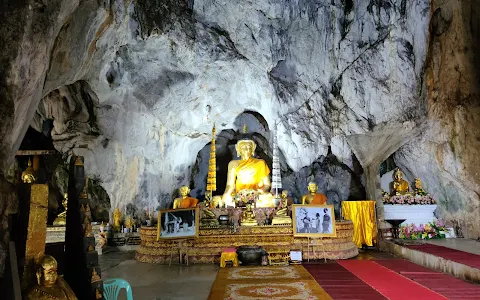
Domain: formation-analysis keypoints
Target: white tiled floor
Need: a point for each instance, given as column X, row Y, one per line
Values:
column 467, row 245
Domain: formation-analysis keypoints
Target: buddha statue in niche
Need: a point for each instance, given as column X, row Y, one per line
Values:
column 248, row 173
column 399, row 185
column 184, row 201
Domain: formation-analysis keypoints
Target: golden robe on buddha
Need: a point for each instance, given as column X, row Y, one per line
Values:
column 250, row 173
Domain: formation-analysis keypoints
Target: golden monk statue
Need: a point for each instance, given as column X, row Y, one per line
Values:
column 117, row 218
column 248, row 173
column 281, row 216
column 209, row 218
column 313, row 197
column 49, row 285
column 184, row 201
column 248, row 217
column 418, row 188
column 61, row 219
column 28, row 176
column 399, row 185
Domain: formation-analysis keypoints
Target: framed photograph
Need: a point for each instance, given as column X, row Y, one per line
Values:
column 313, row 220
column 178, row 223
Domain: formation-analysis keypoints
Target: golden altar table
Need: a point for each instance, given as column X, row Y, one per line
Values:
column 208, row 247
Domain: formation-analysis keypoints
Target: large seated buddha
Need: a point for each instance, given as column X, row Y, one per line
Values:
column 248, row 174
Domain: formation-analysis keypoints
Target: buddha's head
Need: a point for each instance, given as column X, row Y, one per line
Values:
column 245, row 148
column 312, row 187
column 284, row 194
column 397, row 175
column 184, row 190
column 47, row 271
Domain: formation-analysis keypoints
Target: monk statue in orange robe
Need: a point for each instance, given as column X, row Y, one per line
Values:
column 184, row 201
column 313, row 197
column 248, row 173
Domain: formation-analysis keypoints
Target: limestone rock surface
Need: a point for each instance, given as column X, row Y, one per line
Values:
column 136, row 86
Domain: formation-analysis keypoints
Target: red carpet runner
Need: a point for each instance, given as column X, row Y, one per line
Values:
column 389, row 283
column 340, row 284
column 462, row 257
column 448, row 286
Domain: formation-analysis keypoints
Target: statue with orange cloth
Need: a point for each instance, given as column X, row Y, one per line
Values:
column 313, row 197
column 184, row 201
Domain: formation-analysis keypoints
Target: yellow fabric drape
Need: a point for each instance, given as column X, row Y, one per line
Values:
column 250, row 173
column 362, row 214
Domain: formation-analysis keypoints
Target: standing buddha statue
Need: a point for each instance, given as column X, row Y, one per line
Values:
column 117, row 218
column 399, row 185
column 184, row 201
column 313, row 197
column 248, row 173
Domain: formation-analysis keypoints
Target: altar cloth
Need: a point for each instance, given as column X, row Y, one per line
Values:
column 362, row 214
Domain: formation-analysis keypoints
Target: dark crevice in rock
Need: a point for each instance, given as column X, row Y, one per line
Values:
column 439, row 22
column 346, row 21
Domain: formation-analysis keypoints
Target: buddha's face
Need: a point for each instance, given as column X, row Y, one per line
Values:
column 47, row 273
column 245, row 148
column 184, row 190
column 312, row 187
column 398, row 176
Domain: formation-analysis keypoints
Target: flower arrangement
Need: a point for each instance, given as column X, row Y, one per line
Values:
column 409, row 199
column 246, row 196
column 432, row 230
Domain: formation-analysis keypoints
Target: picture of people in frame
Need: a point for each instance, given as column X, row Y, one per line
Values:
column 314, row 220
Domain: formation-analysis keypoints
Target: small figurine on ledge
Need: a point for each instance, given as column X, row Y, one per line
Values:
column 399, row 185
column 117, row 218
column 418, row 188
column 313, row 197
column 184, row 201
column 248, row 217
column 209, row 218
column 61, row 219
column 281, row 216
column 49, row 285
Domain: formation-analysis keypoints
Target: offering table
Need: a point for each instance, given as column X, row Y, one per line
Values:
column 208, row 246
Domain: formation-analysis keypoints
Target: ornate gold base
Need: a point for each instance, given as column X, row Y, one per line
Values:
column 249, row 223
column 277, row 239
column 281, row 221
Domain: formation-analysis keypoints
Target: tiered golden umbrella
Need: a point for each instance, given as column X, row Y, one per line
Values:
column 212, row 167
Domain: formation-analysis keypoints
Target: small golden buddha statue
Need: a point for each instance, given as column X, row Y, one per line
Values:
column 313, row 197
column 49, row 285
column 184, row 201
column 129, row 222
column 98, row 294
column 248, row 217
column 28, row 176
column 117, row 218
column 209, row 218
column 418, row 187
column 399, row 185
column 61, row 219
column 281, row 215
column 248, row 173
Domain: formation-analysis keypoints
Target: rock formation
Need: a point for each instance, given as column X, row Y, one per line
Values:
column 135, row 87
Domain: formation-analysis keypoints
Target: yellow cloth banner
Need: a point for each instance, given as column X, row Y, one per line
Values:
column 362, row 214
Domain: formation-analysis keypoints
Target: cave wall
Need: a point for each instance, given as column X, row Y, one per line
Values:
column 135, row 86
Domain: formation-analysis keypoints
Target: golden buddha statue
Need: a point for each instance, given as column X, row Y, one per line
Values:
column 184, row 201
column 28, row 176
column 248, row 216
column 129, row 222
column 313, row 197
column 61, row 219
column 248, row 173
column 418, row 188
column 399, row 185
column 209, row 218
column 87, row 227
column 49, row 285
column 117, row 217
column 281, row 215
